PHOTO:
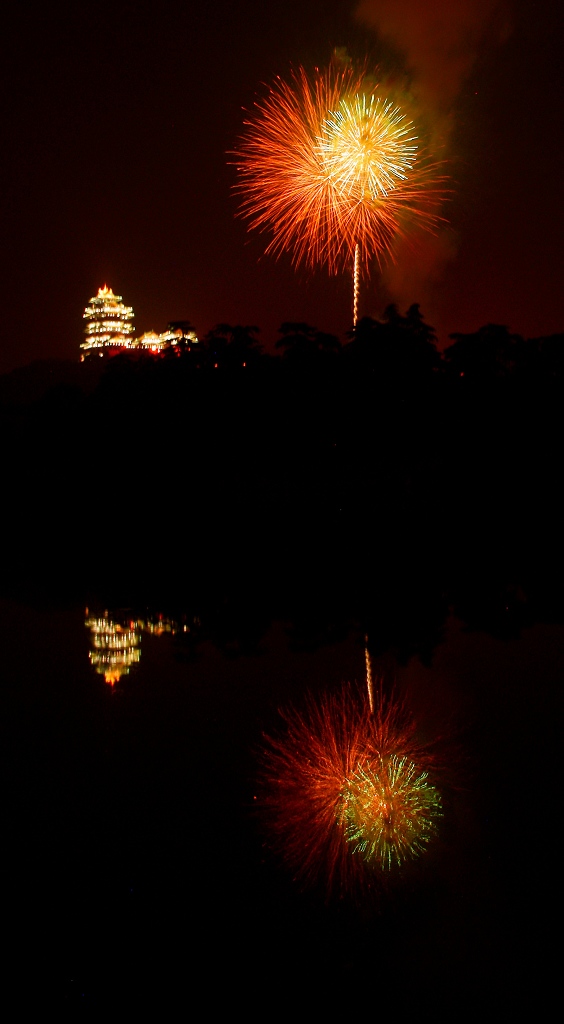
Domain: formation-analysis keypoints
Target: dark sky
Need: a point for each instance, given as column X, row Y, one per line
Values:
column 118, row 116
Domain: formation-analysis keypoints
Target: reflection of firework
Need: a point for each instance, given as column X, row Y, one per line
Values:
column 391, row 810
column 346, row 792
column 330, row 166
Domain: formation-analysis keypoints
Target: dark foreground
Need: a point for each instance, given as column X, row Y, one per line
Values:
column 288, row 515
column 136, row 874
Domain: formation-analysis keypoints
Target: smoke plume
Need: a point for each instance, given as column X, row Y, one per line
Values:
column 439, row 43
column 439, row 39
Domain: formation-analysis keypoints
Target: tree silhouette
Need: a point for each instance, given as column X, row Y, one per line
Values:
column 230, row 346
column 550, row 355
column 305, row 345
column 396, row 348
column 487, row 354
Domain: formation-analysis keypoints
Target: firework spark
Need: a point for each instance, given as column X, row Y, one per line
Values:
column 347, row 792
column 366, row 148
column 334, row 171
column 391, row 810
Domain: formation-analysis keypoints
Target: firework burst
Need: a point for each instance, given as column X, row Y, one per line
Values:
column 346, row 792
column 335, row 171
column 390, row 809
column 366, row 148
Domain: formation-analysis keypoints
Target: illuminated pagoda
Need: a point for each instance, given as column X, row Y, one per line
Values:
column 108, row 323
column 109, row 330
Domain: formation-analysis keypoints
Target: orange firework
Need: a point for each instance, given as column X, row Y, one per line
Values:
column 335, row 171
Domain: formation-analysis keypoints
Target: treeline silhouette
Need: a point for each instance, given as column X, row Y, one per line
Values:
column 376, row 481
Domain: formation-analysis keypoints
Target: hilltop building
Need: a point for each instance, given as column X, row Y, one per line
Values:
column 108, row 322
column 109, row 329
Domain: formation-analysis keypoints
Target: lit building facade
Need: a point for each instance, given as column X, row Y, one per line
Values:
column 108, row 323
column 109, row 329
column 179, row 333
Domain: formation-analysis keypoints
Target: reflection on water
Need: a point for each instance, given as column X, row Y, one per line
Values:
column 126, row 817
column 348, row 788
column 115, row 647
column 115, row 640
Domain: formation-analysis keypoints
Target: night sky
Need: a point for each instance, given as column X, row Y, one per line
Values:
column 118, row 117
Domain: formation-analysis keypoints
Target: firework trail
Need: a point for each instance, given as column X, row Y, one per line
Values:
column 335, row 172
column 347, row 793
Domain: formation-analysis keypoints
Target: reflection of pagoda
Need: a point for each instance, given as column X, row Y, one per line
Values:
column 108, row 323
column 114, row 648
column 115, row 640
